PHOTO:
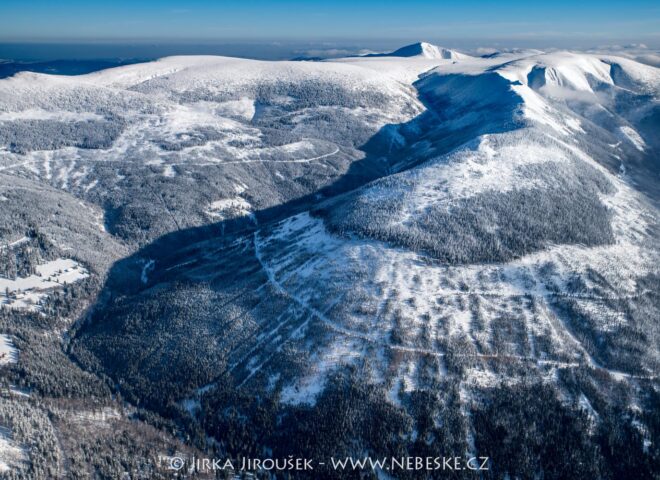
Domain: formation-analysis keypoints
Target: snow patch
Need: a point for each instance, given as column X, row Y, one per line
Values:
column 8, row 353
column 59, row 115
column 11, row 454
column 98, row 417
column 633, row 137
column 229, row 207
column 149, row 265
column 169, row 171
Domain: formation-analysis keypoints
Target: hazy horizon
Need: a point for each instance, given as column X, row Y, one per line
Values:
column 146, row 50
column 265, row 29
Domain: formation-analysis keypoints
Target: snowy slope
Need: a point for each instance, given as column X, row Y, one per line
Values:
column 274, row 130
column 461, row 268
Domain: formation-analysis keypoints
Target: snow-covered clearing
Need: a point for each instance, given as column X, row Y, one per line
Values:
column 102, row 417
column 26, row 292
column 229, row 207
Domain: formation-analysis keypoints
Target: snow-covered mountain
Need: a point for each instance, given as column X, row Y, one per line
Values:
column 423, row 50
column 415, row 252
column 266, row 132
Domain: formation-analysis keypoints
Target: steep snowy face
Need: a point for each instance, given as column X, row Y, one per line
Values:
column 577, row 72
column 531, row 132
column 611, row 104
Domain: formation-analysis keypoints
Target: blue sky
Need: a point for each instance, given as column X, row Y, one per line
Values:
column 582, row 22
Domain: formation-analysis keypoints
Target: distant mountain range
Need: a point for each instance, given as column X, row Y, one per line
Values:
column 59, row 67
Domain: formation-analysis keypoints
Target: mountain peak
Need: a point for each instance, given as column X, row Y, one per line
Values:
column 423, row 50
